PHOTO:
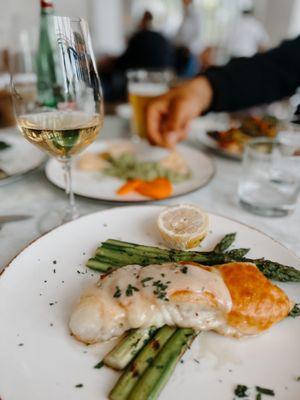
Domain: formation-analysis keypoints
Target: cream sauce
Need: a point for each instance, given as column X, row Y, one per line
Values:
column 135, row 296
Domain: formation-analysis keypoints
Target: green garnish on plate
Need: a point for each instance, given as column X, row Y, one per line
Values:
column 4, row 145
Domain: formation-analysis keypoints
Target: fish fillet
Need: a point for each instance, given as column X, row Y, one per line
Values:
column 234, row 299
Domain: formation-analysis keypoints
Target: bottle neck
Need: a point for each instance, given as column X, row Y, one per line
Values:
column 47, row 7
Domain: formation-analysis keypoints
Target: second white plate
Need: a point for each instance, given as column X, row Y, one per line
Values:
column 20, row 158
column 95, row 185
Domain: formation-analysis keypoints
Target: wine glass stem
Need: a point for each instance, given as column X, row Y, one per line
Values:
column 71, row 212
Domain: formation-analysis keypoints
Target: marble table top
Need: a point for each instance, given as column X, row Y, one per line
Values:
column 34, row 195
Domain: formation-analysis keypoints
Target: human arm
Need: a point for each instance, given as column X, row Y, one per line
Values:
column 242, row 83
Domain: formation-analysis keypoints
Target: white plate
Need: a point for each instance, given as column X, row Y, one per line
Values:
column 212, row 122
column 50, row 363
column 19, row 159
column 98, row 186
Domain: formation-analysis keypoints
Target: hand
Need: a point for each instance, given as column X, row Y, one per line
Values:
column 168, row 116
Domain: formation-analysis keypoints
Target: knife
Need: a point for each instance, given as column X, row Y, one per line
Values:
column 13, row 218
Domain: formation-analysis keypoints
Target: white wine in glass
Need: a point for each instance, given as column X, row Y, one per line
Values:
column 64, row 114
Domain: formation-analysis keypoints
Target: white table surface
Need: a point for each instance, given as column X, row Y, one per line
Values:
column 34, row 195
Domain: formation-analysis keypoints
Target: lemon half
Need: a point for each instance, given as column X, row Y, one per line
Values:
column 183, row 226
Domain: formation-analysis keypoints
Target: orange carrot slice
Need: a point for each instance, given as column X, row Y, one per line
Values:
column 159, row 188
column 129, row 186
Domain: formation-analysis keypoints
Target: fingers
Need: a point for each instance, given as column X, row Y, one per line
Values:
column 170, row 139
column 168, row 116
column 178, row 115
column 156, row 112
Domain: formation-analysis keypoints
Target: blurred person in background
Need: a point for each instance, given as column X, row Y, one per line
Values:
column 242, row 83
column 146, row 49
column 247, row 36
column 188, row 41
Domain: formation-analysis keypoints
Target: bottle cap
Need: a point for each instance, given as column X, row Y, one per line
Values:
column 46, row 4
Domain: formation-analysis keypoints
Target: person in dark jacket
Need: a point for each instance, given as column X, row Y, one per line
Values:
column 147, row 49
column 242, row 83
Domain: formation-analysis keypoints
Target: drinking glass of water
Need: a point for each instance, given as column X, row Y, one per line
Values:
column 270, row 181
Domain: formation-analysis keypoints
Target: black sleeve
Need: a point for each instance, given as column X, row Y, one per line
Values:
column 263, row 78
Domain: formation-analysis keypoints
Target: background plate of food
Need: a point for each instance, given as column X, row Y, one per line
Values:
column 14, row 156
column 122, row 171
column 227, row 135
column 40, row 359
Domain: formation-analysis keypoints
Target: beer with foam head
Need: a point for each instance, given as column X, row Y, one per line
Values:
column 143, row 87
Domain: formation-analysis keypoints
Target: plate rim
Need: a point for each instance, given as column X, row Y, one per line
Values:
column 143, row 201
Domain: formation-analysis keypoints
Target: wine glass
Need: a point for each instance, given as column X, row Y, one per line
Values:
column 60, row 108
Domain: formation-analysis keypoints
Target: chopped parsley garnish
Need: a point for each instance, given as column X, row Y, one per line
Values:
column 241, row 391
column 117, row 292
column 295, row 312
column 130, row 289
column 298, row 378
column 184, row 269
column 267, row 392
column 144, row 280
column 79, row 385
column 160, row 291
column 4, row 145
column 258, row 396
column 99, row 365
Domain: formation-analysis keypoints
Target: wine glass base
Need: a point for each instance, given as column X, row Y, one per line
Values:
column 49, row 221
column 265, row 211
column 70, row 214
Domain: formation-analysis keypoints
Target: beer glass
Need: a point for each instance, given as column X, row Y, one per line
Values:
column 144, row 86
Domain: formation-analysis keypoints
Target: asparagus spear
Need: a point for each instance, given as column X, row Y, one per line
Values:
column 119, row 253
column 274, row 270
column 134, row 370
column 225, row 243
column 156, row 375
column 130, row 345
column 114, row 253
column 237, row 253
column 295, row 312
column 97, row 264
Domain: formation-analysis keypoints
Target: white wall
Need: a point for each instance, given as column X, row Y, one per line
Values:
column 294, row 28
column 105, row 18
column 29, row 10
column 277, row 16
column 281, row 18
column 107, row 26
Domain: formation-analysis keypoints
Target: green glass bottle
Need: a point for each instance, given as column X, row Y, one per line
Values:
column 46, row 58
